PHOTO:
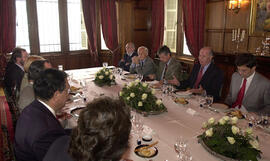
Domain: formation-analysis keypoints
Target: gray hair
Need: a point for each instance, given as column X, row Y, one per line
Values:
column 144, row 48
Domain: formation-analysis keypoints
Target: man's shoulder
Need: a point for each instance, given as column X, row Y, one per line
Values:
column 262, row 79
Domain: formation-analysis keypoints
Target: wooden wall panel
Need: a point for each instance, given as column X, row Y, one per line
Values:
column 215, row 21
column 215, row 40
column 254, row 43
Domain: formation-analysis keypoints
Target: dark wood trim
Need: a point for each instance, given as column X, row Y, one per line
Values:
column 63, row 24
column 31, row 8
column 179, row 31
column 98, row 22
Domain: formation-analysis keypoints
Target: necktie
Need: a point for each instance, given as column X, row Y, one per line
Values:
column 240, row 95
column 199, row 77
column 165, row 70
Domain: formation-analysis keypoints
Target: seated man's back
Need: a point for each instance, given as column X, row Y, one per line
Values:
column 36, row 129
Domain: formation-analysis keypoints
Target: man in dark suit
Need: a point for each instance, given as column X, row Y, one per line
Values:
column 249, row 90
column 14, row 70
column 127, row 60
column 37, row 127
column 205, row 77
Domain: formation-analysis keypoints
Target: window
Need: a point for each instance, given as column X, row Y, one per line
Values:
column 22, row 34
column 48, row 25
column 170, row 27
column 76, row 27
column 170, row 24
column 103, row 44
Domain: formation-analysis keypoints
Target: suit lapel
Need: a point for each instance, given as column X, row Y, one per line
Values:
column 252, row 86
column 207, row 72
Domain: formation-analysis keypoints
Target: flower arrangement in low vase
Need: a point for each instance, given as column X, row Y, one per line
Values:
column 104, row 77
column 226, row 139
column 141, row 97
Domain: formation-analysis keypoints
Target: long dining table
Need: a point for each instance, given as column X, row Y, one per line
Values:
column 179, row 121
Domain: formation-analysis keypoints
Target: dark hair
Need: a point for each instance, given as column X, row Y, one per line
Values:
column 248, row 60
column 16, row 53
column 48, row 82
column 35, row 68
column 102, row 133
column 164, row 50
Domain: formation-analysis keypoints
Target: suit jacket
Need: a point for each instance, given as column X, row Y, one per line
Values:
column 36, row 129
column 59, row 150
column 257, row 96
column 173, row 69
column 127, row 59
column 148, row 67
column 27, row 96
column 211, row 81
column 13, row 77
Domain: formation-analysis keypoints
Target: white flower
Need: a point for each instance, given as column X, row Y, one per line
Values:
column 106, row 73
column 140, row 104
column 226, row 118
column 130, row 84
column 254, row 144
column 234, row 120
column 211, row 121
column 249, row 131
column 144, row 84
column 209, row 132
column 101, row 77
column 144, row 96
column 153, row 91
column 231, row 140
column 137, row 81
column 222, row 121
column 235, row 130
column 110, row 71
column 132, row 95
column 158, row 102
column 128, row 98
column 121, row 93
column 111, row 77
column 204, row 125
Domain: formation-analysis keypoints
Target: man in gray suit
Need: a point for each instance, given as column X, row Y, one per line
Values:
column 249, row 90
column 169, row 68
column 142, row 64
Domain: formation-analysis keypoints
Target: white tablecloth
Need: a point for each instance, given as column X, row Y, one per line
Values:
column 168, row 126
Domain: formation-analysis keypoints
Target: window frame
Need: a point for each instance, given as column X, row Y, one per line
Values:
column 31, row 8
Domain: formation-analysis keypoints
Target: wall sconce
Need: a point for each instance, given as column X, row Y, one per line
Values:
column 234, row 5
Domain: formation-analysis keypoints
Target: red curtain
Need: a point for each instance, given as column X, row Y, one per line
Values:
column 194, row 21
column 89, row 13
column 7, row 31
column 157, row 25
column 109, row 27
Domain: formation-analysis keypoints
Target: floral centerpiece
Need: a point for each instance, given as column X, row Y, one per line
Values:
column 226, row 139
column 142, row 98
column 104, row 77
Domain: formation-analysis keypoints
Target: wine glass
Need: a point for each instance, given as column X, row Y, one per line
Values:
column 180, row 147
column 140, row 77
column 105, row 64
column 209, row 100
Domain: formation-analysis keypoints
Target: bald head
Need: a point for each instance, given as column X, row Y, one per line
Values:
column 206, row 56
column 130, row 47
column 142, row 52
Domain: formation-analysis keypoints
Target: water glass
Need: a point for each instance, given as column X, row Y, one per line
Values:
column 105, row 64
column 209, row 100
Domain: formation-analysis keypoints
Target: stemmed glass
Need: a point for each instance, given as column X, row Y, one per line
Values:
column 209, row 100
column 140, row 77
column 180, row 147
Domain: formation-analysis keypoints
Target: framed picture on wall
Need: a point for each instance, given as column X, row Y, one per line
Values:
column 259, row 17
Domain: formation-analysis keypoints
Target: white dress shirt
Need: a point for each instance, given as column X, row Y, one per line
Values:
column 48, row 107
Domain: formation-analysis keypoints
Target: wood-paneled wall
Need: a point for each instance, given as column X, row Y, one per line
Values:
column 219, row 24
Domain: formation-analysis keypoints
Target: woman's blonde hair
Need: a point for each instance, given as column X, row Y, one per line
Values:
column 30, row 60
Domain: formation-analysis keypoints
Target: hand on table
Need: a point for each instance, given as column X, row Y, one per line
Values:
column 174, row 81
column 152, row 76
column 135, row 60
column 197, row 91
